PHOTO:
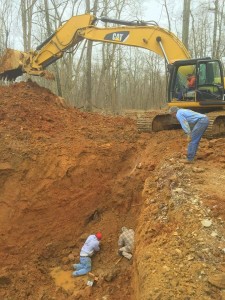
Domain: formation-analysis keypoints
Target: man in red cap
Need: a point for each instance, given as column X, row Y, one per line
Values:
column 91, row 245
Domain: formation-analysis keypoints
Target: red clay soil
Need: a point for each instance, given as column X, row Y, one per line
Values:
column 65, row 174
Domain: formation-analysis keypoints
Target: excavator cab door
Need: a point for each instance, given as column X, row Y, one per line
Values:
column 210, row 87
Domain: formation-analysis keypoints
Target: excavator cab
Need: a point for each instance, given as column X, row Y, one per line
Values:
column 197, row 84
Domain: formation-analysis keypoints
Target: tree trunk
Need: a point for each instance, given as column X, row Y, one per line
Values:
column 167, row 13
column 88, row 96
column 214, row 49
column 6, row 16
column 186, row 20
column 49, row 32
column 27, row 15
column 24, row 24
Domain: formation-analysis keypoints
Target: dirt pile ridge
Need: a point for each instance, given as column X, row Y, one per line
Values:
column 65, row 174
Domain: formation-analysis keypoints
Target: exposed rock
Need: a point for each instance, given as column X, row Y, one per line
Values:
column 206, row 222
column 111, row 275
column 5, row 166
column 218, row 280
column 198, row 170
column 4, row 280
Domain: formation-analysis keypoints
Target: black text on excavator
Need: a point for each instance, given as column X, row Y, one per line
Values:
column 206, row 94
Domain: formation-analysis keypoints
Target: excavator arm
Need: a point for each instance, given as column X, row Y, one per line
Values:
column 14, row 63
column 137, row 34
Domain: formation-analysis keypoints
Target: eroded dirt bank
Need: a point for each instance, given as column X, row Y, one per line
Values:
column 183, row 237
column 65, row 174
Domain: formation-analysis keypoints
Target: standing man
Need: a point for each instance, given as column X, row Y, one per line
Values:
column 91, row 245
column 187, row 117
column 126, row 242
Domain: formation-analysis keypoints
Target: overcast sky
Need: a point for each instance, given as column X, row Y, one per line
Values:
column 155, row 10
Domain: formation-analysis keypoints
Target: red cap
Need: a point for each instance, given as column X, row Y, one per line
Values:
column 98, row 235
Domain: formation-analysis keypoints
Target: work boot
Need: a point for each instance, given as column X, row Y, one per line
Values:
column 189, row 161
column 127, row 255
column 74, row 274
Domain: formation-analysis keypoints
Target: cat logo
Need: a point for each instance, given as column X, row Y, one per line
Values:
column 119, row 36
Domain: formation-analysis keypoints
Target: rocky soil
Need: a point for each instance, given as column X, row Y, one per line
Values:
column 65, row 174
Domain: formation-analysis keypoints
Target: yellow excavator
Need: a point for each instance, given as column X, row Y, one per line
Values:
column 206, row 94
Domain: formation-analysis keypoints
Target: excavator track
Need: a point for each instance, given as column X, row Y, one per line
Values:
column 144, row 122
column 216, row 126
column 149, row 122
column 153, row 122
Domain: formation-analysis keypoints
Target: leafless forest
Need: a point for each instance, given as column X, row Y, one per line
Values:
column 106, row 77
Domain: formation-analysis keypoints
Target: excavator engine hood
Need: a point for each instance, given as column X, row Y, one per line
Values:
column 11, row 64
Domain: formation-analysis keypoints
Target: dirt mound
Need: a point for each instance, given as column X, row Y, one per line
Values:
column 65, row 174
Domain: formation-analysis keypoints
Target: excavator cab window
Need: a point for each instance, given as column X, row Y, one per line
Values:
column 184, row 83
column 210, row 80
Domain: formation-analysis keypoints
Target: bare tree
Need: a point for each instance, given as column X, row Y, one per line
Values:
column 6, row 17
column 203, row 41
column 49, row 32
column 218, row 28
column 186, row 21
column 88, row 104
column 27, row 7
column 167, row 13
column 215, row 28
column 88, row 96
column 220, row 36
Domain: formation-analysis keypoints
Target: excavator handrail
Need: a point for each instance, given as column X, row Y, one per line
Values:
column 127, row 23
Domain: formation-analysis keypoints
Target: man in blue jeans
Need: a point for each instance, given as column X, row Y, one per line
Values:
column 200, row 122
column 91, row 245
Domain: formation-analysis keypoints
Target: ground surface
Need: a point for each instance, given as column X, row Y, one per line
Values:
column 65, row 174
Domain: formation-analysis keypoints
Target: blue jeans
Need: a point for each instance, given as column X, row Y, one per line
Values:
column 83, row 267
column 196, row 134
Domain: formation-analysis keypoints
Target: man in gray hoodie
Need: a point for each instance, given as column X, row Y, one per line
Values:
column 126, row 242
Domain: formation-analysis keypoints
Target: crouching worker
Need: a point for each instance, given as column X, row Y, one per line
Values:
column 91, row 245
column 186, row 118
column 126, row 242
